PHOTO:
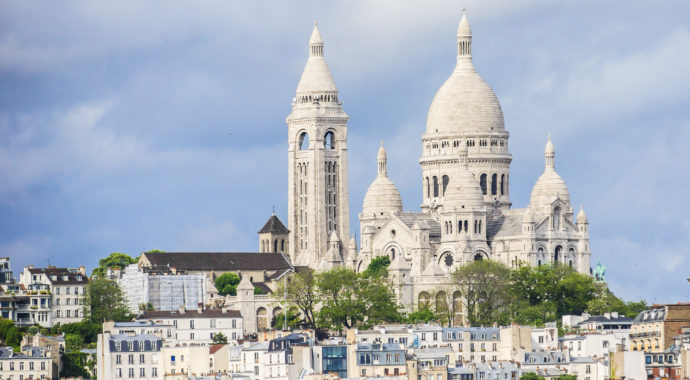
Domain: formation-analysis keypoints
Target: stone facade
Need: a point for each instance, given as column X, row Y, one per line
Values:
column 318, row 202
column 466, row 212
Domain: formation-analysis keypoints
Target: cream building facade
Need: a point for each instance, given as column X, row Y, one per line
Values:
column 466, row 212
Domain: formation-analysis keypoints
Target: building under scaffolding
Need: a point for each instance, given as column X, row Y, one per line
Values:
column 164, row 291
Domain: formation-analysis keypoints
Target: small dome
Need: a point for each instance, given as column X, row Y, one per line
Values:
column 548, row 186
column 464, row 29
column 382, row 197
column 581, row 217
column 463, row 191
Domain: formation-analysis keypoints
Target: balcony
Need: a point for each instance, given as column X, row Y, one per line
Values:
column 645, row 334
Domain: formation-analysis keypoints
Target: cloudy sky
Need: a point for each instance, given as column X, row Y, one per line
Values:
column 129, row 126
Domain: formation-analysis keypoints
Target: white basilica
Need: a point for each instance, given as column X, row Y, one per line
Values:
column 466, row 211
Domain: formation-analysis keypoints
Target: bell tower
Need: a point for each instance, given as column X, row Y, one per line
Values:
column 318, row 202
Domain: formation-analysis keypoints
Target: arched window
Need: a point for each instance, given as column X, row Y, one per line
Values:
column 435, row 186
column 557, row 218
column 503, row 184
column 466, row 226
column 445, row 180
column 329, row 140
column 459, row 226
column 275, row 246
column 494, row 184
column 482, row 183
column 557, row 253
column 282, row 245
column 480, row 227
column 428, row 188
column 304, row 141
column 392, row 254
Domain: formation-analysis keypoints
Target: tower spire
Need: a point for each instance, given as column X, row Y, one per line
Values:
column 382, row 159
column 549, row 155
column 464, row 37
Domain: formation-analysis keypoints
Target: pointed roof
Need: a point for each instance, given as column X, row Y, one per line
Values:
column 464, row 29
column 581, row 216
column 316, row 77
column 245, row 284
column 274, row 225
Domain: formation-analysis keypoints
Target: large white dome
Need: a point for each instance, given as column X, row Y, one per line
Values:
column 465, row 103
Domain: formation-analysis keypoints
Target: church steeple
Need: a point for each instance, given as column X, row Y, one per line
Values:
column 318, row 203
column 316, row 84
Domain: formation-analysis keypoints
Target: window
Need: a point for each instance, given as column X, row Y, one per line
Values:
column 118, row 359
column 329, row 141
column 503, row 183
column 119, row 372
column 154, row 372
column 131, row 372
column 445, row 181
column 234, row 323
column 43, row 366
column 130, row 359
column 191, row 323
column 482, row 183
column 494, row 184
column 435, row 186
column 142, row 372
column 213, row 323
column 67, row 290
column 141, row 359
column 191, row 336
column 304, row 141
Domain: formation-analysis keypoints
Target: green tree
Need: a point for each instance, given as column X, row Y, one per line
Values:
column 567, row 377
column 302, row 294
column 220, row 338
column 104, row 301
column 422, row 314
column 341, row 304
column 378, row 267
column 353, row 300
column 227, row 283
column 74, row 342
column 379, row 301
column 115, row 260
column 10, row 334
column 484, row 287
column 73, row 364
column 293, row 319
column 531, row 376
column 258, row 290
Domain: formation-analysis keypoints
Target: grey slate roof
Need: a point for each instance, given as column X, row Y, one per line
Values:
column 507, row 224
column 656, row 314
column 274, row 225
column 422, row 219
column 218, row 261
